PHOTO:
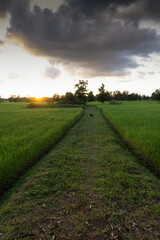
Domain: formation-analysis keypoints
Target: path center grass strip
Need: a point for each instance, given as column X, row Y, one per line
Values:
column 88, row 187
column 139, row 125
column 26, row 134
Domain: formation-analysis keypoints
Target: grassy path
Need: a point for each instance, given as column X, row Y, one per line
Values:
column 88, row 187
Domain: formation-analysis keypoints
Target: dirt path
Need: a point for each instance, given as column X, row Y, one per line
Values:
column 88, row 187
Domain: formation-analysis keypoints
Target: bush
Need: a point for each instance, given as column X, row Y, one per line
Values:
column 114, row 102
column 36, row 105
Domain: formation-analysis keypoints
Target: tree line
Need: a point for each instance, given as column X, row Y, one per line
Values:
column 82, row 95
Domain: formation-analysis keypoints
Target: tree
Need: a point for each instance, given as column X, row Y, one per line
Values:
column 81, row 90
column 69, row 96
column 134, row 96
column 144, row 97
column 91, row 97
column 125, row 95
column 56, row 97
column 103, row 95
column 156, row 94
column 117, row 95
column 12, row 98
column 102, row 88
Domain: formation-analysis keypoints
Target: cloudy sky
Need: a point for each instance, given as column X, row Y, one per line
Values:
column 47, row 46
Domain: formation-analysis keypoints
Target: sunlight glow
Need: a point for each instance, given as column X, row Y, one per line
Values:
column 26, row 75
column 23, row 74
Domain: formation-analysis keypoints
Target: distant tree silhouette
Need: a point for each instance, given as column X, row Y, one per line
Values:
column 56, row 97
column 134, row 96
column 156, row 94
column 125, row 95
column 144, row 97
column 14, row 98
column 119, row 96
column 103, row 95
column 81, row 90
column 69, row 96
column 91, row 97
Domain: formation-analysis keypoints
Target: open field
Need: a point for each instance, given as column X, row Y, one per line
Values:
column 26, row 134
column 88, row 187
column 139, row 125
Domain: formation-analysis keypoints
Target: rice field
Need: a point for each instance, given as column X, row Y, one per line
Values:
column 138, row 123
column 25, row 134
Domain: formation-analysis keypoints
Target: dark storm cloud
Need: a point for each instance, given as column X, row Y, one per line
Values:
column 4, row 7
column 141, row 10
column 152, row 9
column 94, row 7
column 91, row 34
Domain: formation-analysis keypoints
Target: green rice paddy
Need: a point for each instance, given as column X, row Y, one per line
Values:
column 138, row 123
column 26, row 134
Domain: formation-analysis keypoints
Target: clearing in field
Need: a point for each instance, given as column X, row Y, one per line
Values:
column 88, row 187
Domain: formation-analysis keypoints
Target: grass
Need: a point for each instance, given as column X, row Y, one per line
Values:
column 88, row 187
column 26, row 134
column 138, row 124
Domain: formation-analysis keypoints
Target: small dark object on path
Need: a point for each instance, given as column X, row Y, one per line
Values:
column 91, row 115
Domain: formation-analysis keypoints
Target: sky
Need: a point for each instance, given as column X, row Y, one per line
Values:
column 46, row 47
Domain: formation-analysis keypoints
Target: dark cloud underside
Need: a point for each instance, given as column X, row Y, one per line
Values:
column 4, row 7
column 100, row 36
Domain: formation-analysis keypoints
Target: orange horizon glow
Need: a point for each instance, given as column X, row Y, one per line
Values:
column 23, row 75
